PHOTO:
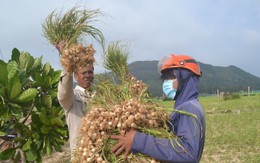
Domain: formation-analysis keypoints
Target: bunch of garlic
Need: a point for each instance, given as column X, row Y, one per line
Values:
column 101, row 122
column 77, row 56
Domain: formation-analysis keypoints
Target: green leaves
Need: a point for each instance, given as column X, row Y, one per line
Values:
column 12, row 68
column 3, row 72
column 2, row 133
column 57, row 121
column 15, row 55
column 14, row 87
column 44, row 118
column 48, row 147
column 46, row 69
column 7, row 154
column 31, row 155
column 27, row 145
column 36, row 65
column 25, row 60
column 55, row 77
column 46, row 100
column 27, row 95
column 28, row 106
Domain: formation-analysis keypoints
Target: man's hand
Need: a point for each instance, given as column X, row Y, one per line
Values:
column 124, row 144
column 60, row 46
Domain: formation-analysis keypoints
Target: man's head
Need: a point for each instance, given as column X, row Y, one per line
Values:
column 84, row 75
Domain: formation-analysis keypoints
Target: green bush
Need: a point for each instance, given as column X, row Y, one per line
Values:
column 230, row 96
column 29, row 108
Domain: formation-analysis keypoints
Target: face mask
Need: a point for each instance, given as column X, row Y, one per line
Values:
column 168, row 89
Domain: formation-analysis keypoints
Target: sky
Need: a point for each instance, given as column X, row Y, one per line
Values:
column 219, row 32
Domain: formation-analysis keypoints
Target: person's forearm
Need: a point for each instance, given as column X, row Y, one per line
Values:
column 65, row 90
column 163, row 149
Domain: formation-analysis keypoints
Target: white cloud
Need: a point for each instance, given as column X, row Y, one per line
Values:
column 220, row 33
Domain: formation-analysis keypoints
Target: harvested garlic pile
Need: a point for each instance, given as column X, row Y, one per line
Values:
column 100, row 122
column 130, row 108
column 77, row 56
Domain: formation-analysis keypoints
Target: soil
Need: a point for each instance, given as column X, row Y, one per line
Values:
column 59, row 157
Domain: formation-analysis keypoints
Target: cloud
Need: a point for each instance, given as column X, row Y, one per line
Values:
column 220, row 33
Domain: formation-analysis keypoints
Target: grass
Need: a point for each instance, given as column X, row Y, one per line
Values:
column 232, row 129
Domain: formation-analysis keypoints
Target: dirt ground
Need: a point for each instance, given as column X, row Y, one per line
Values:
column 59, row 157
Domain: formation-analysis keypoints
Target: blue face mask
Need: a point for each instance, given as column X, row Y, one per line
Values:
column 168, row 89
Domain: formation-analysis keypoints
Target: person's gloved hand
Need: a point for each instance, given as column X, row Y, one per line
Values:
column 124, row 144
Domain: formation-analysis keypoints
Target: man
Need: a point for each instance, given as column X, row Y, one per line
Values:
column 180, row 75
column 74, row 101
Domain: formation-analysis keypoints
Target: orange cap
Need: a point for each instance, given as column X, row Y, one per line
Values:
column 179, row 61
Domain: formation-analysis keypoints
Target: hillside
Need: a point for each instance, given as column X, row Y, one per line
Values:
column 227, row 79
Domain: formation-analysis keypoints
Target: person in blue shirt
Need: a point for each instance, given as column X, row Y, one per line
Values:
column 180, row 75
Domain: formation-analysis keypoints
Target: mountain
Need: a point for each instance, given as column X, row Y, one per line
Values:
column 226, row 79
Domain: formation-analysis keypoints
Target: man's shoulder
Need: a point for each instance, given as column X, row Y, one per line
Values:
column 77, row 94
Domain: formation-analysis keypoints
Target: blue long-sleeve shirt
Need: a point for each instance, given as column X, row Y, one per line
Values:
column 189, row 130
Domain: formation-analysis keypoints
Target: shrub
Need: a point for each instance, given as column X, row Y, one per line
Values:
column 230, row 96
column 29, row 108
